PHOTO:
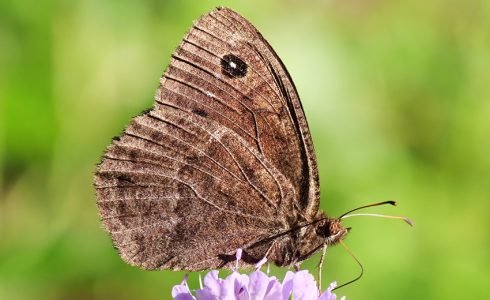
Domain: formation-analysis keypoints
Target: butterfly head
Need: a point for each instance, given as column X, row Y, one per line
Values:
column 332, row 230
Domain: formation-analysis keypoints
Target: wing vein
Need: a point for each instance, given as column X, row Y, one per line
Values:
column 240, row 167
column 190, row 145
column 224, row 42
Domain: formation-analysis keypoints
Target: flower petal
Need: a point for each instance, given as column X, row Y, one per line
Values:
column 205, row 294
column 274, row 290
column 287, row 285
column 213, row 283
column 327, row 296
column 181, row 292
column 233, row 285
column 258, row 284
column 304, row 286
column 243, row 294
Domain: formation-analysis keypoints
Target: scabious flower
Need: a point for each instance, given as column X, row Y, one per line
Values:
column 256, row 286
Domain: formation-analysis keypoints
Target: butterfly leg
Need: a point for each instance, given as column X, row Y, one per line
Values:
column 320, row 265
column 264, row 259
column 238, row 256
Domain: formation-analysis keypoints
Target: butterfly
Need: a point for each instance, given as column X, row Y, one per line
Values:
column 224, row 160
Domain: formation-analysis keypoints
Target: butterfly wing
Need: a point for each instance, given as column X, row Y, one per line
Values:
column 223, row 160
column 282, row 133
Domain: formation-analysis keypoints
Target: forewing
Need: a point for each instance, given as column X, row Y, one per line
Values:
column 276, row 126
column 222, row 161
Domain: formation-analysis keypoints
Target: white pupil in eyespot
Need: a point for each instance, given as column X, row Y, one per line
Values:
column 233, row 65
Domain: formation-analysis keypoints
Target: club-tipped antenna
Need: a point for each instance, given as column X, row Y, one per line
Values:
column 405, row 219
column 358, row 262
column 391, row 202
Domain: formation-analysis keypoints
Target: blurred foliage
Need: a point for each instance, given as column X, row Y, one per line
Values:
column 397, row 96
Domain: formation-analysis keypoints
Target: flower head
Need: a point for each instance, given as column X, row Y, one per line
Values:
column 256, row 286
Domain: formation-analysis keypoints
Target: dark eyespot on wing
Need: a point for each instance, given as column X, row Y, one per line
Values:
column 233, row 66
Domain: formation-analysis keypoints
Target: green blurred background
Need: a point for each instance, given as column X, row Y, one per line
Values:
column 397, row 95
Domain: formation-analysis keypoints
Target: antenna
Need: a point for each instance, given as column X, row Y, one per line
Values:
column 391, row 202
column 407, row 220
column 358, row 262
column 348, row 215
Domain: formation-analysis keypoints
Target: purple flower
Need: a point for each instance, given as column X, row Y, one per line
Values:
column 181, row 291
column 256, row 286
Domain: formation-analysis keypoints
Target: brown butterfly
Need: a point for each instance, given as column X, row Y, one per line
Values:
column 224, row 160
